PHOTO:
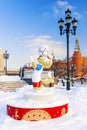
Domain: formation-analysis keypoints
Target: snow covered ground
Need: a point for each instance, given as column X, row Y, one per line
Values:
column 75, row 119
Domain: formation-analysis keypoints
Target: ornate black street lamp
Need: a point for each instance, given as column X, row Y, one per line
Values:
column 67, row 30
column 6, row 56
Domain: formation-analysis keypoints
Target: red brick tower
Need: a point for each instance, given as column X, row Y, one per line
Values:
column 77, row 59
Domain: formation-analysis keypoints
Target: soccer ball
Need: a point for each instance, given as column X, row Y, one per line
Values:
column 43, row 51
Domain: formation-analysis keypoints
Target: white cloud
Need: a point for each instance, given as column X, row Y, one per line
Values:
column 77, row 15
column 55, row 11
column 85, row 12
column 33, row 43
column 64, row 4
column 85, row 50
column 59, row 52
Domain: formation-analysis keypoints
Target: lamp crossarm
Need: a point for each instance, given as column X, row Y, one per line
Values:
column 70, row 31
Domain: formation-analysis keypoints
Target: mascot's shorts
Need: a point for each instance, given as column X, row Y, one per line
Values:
column 37, row 85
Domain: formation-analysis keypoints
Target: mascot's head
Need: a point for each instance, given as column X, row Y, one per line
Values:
column 45, row 61
column 44, row 57
column 43, row 50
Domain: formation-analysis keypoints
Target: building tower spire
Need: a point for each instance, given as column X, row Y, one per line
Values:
column 53, row 55
column 77, row 47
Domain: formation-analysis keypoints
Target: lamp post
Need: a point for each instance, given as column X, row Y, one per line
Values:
column 6, row 56
column 82, row 76
column 67, row 30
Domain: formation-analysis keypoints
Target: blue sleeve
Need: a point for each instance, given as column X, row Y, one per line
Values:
column 39, row 67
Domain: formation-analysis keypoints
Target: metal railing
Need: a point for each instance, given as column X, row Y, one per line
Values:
column 44, row 74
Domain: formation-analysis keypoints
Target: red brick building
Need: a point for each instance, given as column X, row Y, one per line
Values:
column 76, row 63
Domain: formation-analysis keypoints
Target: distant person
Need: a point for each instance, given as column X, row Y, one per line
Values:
column 54, row 72
column 21, row 73
column 63, row 82
column 72, row 81
column 82, row 80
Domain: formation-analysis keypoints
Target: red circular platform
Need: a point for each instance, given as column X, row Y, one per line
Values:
column 34, row 114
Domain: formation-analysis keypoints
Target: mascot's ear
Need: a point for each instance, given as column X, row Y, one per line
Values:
column 39, row 67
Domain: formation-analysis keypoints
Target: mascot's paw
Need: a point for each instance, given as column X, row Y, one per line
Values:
column 46, row 81
column 34, row 65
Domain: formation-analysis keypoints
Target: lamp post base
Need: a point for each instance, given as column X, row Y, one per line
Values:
column 68, row 84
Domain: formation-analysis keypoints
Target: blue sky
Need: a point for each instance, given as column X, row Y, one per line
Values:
column 25, row 25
